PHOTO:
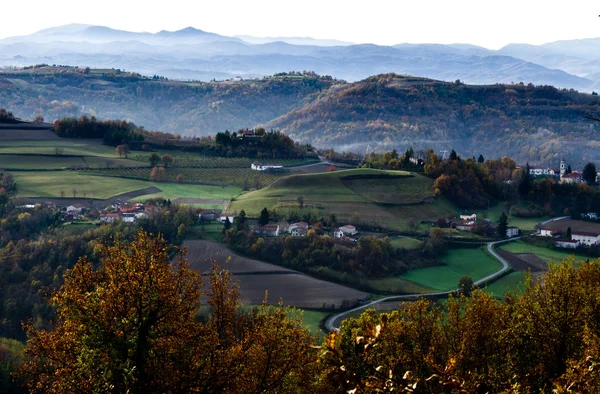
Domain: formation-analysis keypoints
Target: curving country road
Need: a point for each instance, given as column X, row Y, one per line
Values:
column 334, row 321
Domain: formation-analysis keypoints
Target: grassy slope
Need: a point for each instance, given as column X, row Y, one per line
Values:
column 50, row 184
column 373, row 199
column 510, row 282
column 173, row 190
column 406, row 243
column 476, row 263
column 33, row 162
column 525, row 224
column 543, row 253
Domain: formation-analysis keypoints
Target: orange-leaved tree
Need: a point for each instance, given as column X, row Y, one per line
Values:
column 132, row 325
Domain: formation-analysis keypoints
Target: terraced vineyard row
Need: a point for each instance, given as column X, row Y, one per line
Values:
column 228, row 162
column 244, row 177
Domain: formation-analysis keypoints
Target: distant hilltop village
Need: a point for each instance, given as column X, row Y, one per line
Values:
column 565, row 174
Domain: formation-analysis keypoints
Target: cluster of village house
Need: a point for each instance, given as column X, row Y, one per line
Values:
column 578, row 238
column 118, row 210
column 468, row 222
column 572, row 177
column 298, row 229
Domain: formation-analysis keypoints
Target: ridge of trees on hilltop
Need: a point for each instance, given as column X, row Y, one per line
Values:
column 540, row 124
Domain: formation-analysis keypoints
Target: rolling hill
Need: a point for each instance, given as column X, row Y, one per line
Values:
column 527, row 123
column 536, row 124
column 371, row 197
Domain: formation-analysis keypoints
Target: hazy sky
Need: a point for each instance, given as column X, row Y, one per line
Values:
column 489, row 23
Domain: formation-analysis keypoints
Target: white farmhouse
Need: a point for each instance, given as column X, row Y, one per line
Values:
column 75, row 208
column 566, row 243
column 299, row 229
column 224, row 218
column 547, row 233
column 586, row 238
column 345, row 231
column 108, row 217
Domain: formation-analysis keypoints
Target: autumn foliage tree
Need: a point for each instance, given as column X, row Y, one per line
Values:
column 167, row 160
column 157, row 174
column 543, row 338
column 130, row 326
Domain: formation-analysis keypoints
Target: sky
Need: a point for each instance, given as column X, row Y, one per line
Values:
column 488, row 23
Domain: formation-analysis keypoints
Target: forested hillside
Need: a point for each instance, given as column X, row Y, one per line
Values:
column 527, row 123
column 187, row 108
column 538, row 124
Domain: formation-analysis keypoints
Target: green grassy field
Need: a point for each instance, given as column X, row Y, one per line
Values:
column 398, row 284
column 174, row 190
column 494, row 213
column 65, row 146
column 377, row 201
column 311, row 319
column 510, row 282
column 26, row 162
column 545, row 254
column 476, row 263
column 402, row 190
column 38, row 162
column 222, row 176
column 406, row 243
column 51, row 183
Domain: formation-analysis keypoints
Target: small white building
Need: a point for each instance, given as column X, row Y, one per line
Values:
column 299, row 229
column 270, row 230
column 547, row 233
column 567, row 243
column 345, row 231
column 512, row 231
column 128, row 217
column 75, row 208
column 586, row 238
column 223, row 218
column 538, row 171
column 590, row 215
column 469, row 216
column 573, row 177
column 108, row 217
column 259, row 167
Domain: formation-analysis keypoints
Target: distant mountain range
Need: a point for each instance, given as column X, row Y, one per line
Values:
column 195, row 54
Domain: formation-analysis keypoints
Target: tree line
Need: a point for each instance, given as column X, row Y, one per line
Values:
column 112, row 132
column 134, row 322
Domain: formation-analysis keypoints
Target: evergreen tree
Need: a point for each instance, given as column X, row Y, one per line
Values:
column 569, row 233
column 226, row 225
column 264, row 217
column 502, row 225
column 241, row 221
column 569, row 170
column 453, row 155
column 589, row 173
column 481, row 159
column 525, row 185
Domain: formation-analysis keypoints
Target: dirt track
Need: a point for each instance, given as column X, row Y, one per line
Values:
column 524, row 261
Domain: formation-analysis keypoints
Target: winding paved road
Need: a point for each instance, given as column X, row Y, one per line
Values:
column 334, row 321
